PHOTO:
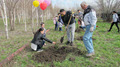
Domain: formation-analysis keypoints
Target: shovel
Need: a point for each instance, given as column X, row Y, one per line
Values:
column 62, row 38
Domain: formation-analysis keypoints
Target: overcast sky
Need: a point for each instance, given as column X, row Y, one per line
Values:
column 70, row 3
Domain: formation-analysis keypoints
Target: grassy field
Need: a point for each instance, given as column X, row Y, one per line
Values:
column 106, row 45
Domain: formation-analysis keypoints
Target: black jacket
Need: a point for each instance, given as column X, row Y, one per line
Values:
column 39, row 38
column 66, row 18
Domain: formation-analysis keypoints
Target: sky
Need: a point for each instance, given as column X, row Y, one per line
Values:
column 70, row 3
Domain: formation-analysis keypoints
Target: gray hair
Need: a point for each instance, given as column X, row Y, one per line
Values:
column 83, row 3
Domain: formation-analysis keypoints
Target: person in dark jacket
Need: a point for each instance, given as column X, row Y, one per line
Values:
column 38, row 40
column 65, row 15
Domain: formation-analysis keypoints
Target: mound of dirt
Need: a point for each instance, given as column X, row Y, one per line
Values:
column 81, row 38
column 54, row 53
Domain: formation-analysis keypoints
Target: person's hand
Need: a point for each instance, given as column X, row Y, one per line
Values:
column 111, row 21
column 54, row 42
column 47, row 30
column 91, row 28
column 65, row 27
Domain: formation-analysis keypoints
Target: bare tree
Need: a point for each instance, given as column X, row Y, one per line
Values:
column 11, row 4
column 23, row 10
column 4, row 16
column 107, row 6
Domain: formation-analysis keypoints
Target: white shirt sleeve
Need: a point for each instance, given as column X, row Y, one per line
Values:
column 115, row 17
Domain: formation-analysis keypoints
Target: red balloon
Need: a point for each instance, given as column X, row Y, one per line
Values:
column 43, row 6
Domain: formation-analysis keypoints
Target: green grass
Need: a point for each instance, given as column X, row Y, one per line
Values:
column 106, row 45
column 17, row 39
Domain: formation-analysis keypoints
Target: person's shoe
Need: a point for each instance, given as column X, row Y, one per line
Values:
column 108, row 30
column 71, row 44
column 90, row 54
column 40, row 50
column 67, row 43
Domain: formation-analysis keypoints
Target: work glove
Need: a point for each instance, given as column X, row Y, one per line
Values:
column 91, row 28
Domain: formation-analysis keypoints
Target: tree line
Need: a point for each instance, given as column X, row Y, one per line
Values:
column 22, row 11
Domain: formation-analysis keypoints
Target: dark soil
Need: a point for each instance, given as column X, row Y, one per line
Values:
column 81, row 38
column 55, row 53
column 78, row 30
column 71, row 59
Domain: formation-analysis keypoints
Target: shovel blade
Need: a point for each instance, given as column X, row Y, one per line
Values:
column 62, row 39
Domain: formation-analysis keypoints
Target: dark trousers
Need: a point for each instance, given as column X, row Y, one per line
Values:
column 116, row 23
column 60, row 28
column 56, row 26
column 40, row 45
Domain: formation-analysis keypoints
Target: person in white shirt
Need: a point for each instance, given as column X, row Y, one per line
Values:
column 114, row 21
column 90, row 19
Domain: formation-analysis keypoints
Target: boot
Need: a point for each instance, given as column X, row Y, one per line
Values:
column 67, row 43
column 71, row 44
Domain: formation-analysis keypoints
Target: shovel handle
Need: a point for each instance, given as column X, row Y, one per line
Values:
column 68, row 24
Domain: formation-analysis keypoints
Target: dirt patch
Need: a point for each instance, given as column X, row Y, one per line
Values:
column 71, row 59
column 78, row 30
column 54, row 53
column 81, row 38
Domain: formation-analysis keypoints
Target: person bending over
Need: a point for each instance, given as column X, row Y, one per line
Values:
column 65, row 15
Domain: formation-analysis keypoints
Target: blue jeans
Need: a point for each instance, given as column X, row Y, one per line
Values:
column 83, row 27
column 87, row 39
